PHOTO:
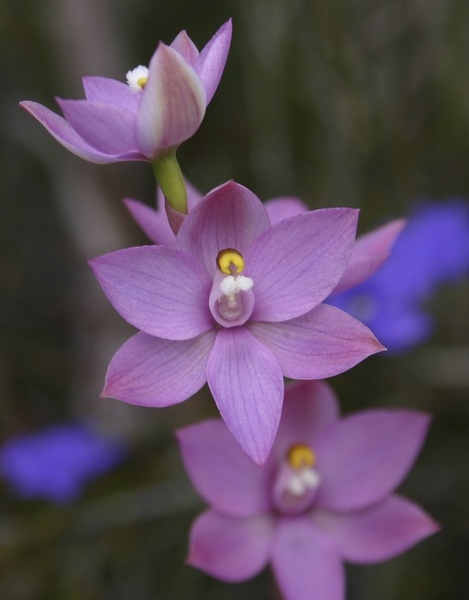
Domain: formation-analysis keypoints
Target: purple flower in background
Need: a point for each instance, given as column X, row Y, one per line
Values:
column 235, row 302
column 160, row 107
column 324, row 496
column 57, row 462
column 432, row 249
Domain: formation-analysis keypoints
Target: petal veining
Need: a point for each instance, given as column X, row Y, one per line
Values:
column 297, row 262
column 230, row 216
column 172, row 105
column 159, row 290
column 153, row 372
column 247, row 385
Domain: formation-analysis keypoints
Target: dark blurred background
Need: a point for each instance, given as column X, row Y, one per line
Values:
column 361, row 103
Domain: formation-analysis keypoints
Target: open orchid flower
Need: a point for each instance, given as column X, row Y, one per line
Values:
column 237, row 303
column 160, row 106
column 324, row 496
column 369, row 251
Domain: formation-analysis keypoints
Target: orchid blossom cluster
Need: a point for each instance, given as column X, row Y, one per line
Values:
column 240, row 294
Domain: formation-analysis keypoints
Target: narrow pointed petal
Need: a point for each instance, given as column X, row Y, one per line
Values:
column 364, row 457
column 149, row 371
column 183, row 44
column 305, row 563
column 172, row 105
column 230, row 216
column 211, row 62
column 159, row 290
column 111, row 91
column 230, row 549
column 319, row 344
column 247, row 385
column 298, row 262
column 308, row 408
column 283, row 208
column 378, row 533
column 369, row 253
column 153, row 223
column 220, row 471
column 109, row 129
column 193, row 196
column 66, row 135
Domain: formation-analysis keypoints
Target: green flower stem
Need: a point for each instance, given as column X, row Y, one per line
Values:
column 171, row 181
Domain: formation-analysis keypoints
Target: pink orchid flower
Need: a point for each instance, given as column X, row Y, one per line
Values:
column 324, row 497
column 237, row 303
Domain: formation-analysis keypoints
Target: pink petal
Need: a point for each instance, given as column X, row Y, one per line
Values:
column 284, row 207
column 211, row 62
column 230, row 216
column 159, row 290
column 149, row 371
column 183, row 44
column 369, row 253
column 305, row 563
column 378, row 533
column 111, row 91
column 247, row 385
column 322, row 343
column 64, row 133
column 108, row 129
column 230, row 549
column 365, row 456
column 193, row 196
column 153, row 223
column 308, row 408
column 220, row 471
column 172, row 105
column 298, row 262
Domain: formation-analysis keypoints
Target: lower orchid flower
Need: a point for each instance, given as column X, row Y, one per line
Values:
column 324, row 496
column 237, row 303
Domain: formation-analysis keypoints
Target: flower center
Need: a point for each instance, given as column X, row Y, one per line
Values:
column 231, row 305
column 302, row 459
column 296, row 481
column 137, row 79
column 231, row 299
column 230, row 260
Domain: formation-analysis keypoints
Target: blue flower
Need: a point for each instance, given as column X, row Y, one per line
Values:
column 56, row 463
column 432, row 249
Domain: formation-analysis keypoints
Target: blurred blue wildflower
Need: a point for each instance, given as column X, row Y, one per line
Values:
column 56, row 463
column 432, row 249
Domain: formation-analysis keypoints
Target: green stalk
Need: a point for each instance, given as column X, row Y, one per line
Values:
column 171, row 181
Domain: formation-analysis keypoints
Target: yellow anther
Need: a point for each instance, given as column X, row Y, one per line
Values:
column 300, row 456
column 142, row 81
column 230, row 261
